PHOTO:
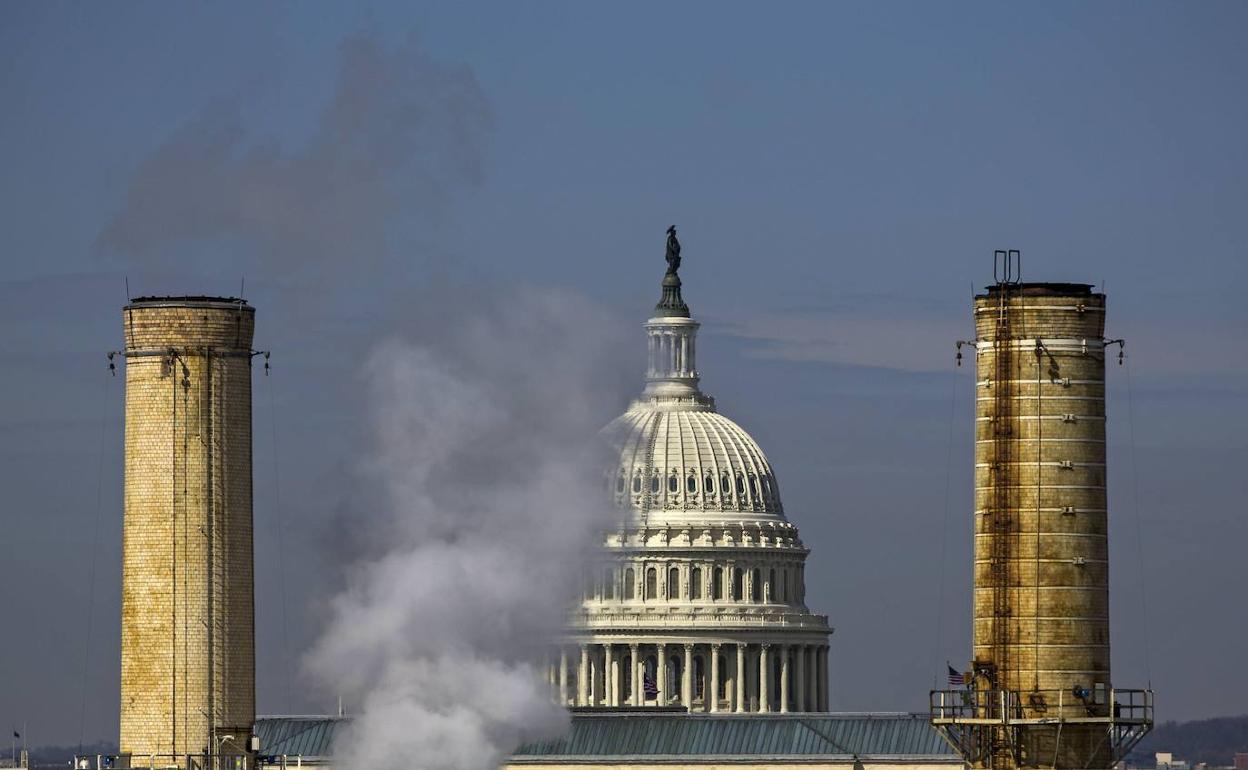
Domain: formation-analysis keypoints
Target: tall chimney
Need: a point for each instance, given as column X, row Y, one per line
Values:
column 187, row 609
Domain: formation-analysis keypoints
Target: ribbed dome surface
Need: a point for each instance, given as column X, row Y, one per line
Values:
column 689, row 459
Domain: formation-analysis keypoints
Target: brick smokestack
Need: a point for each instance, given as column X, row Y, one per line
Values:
column 187, row 609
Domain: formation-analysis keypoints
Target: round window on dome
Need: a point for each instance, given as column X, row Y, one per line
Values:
column 691, row 484
column 673, row 484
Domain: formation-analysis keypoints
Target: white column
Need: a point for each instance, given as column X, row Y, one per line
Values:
column 635, row 665
column 660, row 673
column 595, row 673
column 714, row 693
column 563, row 677
column 812, row 677
column 740, row 704
column 784, row 679
column 686, row 683
column 582, row 678
column 799, row 677
column 822, row 659
column 764, row 680
column 608, row 675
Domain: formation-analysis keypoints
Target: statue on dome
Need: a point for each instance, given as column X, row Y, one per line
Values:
column 673, row 251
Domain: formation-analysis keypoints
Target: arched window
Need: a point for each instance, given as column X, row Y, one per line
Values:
column 708, row 485
column 619, row 483
column 756, row 586
column 673, row 690
column 717, row 583
column 737, row 579
column 630, row 591
column 754, row 486
column 740, row 485
column 771, row 586
column 672, row 484
column 699, row 676
column 673, row 583
column 691, row 484
column 652, row 584
column 652, row 673
column 725, row 485
column 695, row 590
column 637, row 483
column 788, row 584
column 654, row 483
column 608, row 583
column 782, row 585
column 724, row 678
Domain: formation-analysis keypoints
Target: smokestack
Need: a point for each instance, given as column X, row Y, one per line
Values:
column 1040, row 692
column 187, row 613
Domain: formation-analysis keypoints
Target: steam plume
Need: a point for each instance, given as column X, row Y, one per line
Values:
column 493, row 503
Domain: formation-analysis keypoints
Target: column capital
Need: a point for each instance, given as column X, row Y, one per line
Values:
column 765, row 645
column 688, row 646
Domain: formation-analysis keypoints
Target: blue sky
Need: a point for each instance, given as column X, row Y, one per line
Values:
column 840, row 174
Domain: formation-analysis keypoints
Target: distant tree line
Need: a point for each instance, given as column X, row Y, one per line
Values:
column 1204, row 740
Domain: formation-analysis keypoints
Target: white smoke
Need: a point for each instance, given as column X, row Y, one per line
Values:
column 494, row 499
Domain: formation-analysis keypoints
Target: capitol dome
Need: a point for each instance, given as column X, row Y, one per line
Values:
column 697, row 598
column 688, row 464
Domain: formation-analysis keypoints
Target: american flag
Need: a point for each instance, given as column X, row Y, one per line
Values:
column 648, row 686
column 955, row 677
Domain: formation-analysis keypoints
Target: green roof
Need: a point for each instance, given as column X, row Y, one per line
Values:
column 655, row 735
column 298, row 736
column 741, row 735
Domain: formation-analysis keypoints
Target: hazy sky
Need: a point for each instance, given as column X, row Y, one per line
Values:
column 840, row 175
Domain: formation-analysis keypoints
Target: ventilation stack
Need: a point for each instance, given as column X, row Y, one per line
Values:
column 1039, row 692
column 187, row 612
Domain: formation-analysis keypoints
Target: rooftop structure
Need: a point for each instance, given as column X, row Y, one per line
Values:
column 649, row 738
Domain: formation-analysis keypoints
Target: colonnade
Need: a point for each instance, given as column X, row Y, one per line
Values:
column 738, row 677
column 671, row 352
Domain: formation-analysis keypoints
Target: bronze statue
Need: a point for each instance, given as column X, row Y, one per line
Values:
column 673, row 251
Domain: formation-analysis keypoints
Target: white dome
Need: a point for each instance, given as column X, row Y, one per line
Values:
column 698, row 596
column 688, row 461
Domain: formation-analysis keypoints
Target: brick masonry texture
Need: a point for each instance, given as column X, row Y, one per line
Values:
column 187, row 647
column 1056, row 579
